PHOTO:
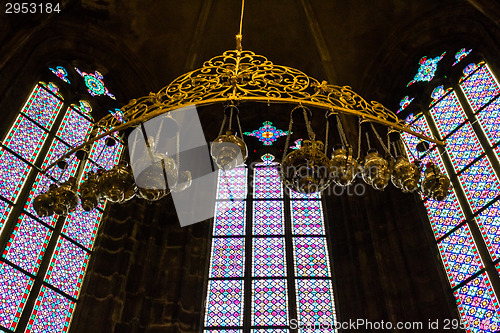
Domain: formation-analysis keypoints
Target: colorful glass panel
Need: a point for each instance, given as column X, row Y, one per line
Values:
column 268, row 257
column 61, row 73
column 311, row 257
column 478, row 305
column 298, row 195
column 269, row 330
column 25, row 138
column 463, row 147
column 13, row 173
column 268, row 218
column 82, row 226
column 444, row 215
column 228, row 257
column 27, row 244
column 267, row 184
column 460, row 55
column 267, row 133
column 448, row 114
column 42, row 107
column 5, row 209
column 404, row 103
column 95, row 84
column 489, row 119
column 480, row 87
column 426, row 70
column 269, row 303
column 15, row 287
column 232, row 184
column 307, row 217
column 419, row 125
column 489, row 224
column 67, row 267
column 74, row 129
column 40, row 185
column 52, row 312
column 229, row 218
column 480, row 183
column 315, row 304
column 224, row 303
column 105, row 156
column 460, row 256
column 56, row 150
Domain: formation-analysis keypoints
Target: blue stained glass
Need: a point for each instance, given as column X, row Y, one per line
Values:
column 307, row 217
column 311, row 257
column 463, row 147
column 74, row 129
column 42, row 106
column 448, row 114
column 480, row 183
column 27, row 244
column 232, row 184
column 224, row 303
column 268, row 218
column 489, row 119
column 269, row 330
column 480, row 87
column 228, row 257
column 315, row 304
column 25, row 138
column 427, row 69
column 95, row 84
column 489, row 224
column 268, row 257
column 67, row 267
column 269, row 303
column 267, row 183
column 15, row 287
column 82, row 226
column 444, row 215
column 5, row 209
column 40, row 185
column 478, row 305
column 267, row 133
column 460, row 256
column 13, row 173
column 52, row 312
column 229, row 218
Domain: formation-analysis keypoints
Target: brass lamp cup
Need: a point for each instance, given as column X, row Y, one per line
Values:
column 65, row 198
column 117, row 185
column 89, row 192
column 43, row 204
column 229, row 151
column 376, row 171
column 157, row 180
column 435, row 184
column 343, row 167
column 406, row 175
column 307, row 169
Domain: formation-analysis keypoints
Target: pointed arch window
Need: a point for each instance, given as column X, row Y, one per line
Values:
column 43, row 259
column 464, row 113
column 270, row 262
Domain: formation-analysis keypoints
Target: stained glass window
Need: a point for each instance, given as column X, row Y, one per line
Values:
column 267, row 133
column 261, row 294
column 44, row 259
column 95, row 84
column 427, row 69
column 472, row 208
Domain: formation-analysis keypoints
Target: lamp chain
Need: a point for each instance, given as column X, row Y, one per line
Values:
column 341, row 131
column 239, row 126
column 310, row 132
column 380, row 140
column 327, row 130
column 359, row 140
column 287, row 141
column 223, row 123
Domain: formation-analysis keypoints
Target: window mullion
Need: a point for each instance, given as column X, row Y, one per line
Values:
column 292, row 297
column 247, row 283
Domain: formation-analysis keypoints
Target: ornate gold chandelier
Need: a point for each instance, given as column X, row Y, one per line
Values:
column 241, row 76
